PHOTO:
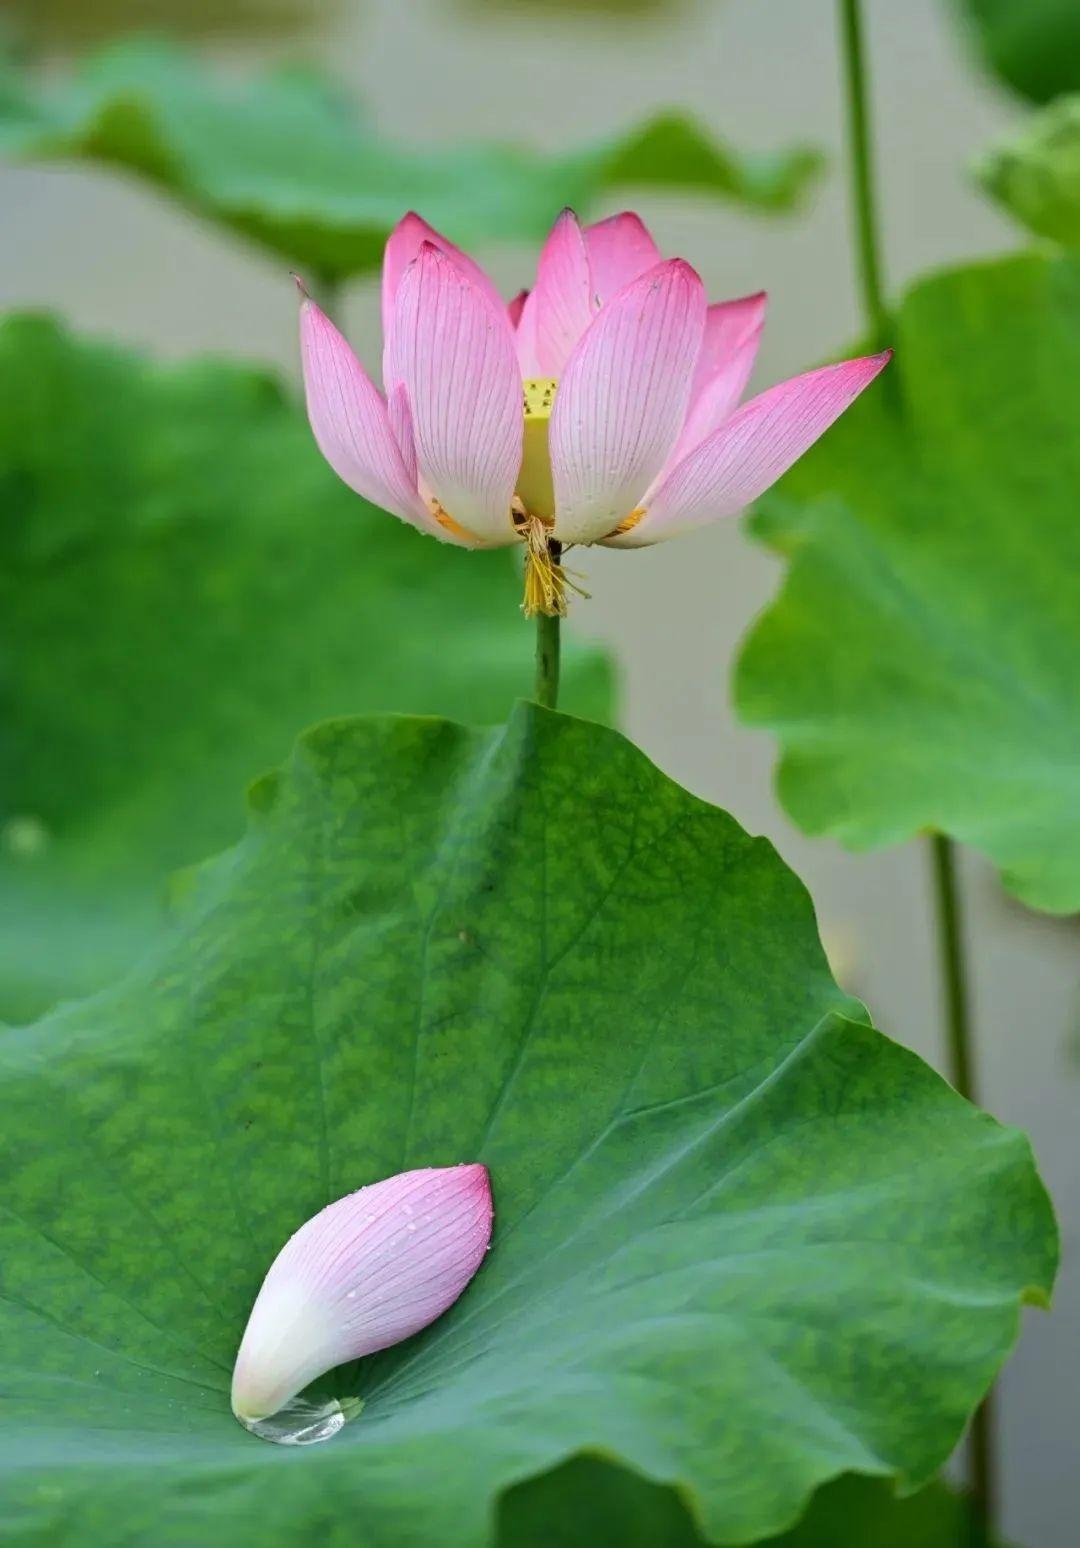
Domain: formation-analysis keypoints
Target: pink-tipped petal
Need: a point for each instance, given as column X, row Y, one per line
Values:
column 515, row 307
column 525, row 339
column 455, row 354
column 738, row 462
column 403, row 244
column 732, row 335
column 620, row 250
column 730, row 327
column 562, row 302
column 351, row 423
column 364, row 1273
column 622, row 400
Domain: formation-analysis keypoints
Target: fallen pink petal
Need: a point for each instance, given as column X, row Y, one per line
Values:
column 601, row 406
column 364, row 1273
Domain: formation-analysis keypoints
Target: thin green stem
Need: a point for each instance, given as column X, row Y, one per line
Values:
column 548, row 643
column 982, row 1452
column 961, row 1060
column 547, row 661
column 950, row 932
column 953, row 966
column 863, row 198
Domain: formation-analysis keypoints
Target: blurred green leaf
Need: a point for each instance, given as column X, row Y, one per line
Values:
column 1036, row 173
column 1033, row 45
column 742, row 1242
column 671, row 151
column 183, row 585
column 623, row 10
column 62, row 24
column 588, row 1501
column 920, row 662
column 285, row 160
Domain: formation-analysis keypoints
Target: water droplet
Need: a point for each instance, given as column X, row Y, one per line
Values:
column 410, row 1226
column 24, row 837
column 304, row 1423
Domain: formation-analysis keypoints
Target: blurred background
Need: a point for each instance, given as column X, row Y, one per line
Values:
column 122, row 262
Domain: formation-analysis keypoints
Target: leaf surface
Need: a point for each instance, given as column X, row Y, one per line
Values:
column 919, row 662
column 284, row 159
column 587, row 1501
column 1033, row 47
column 1035, row 173
column 183, row 585
column 743, row 1242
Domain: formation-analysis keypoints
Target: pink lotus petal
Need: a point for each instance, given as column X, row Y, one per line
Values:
column 738, row 462
column 515, row 307
column 455, row 355
column 404, row 243
column 525, row 339
column 562, row 301
column 401, row 424
column 364, row 1273
column 622, row 400
column 620, row 250
column 351, row 423
column 729, row 327
column 732, row 335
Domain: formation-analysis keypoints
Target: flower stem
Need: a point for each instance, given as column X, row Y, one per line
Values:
column 951, row 952
column 548, row 642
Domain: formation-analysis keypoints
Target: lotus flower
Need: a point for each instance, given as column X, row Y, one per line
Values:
column 599, row 407
column 364, row 1273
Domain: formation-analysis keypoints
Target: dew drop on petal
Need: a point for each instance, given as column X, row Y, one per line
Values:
column 303, row 1422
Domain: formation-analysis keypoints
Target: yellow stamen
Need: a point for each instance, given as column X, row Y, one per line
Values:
column 444, row 518
column 628, row 523
column 545, row 579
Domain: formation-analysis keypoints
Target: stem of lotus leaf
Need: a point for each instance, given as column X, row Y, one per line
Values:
column 961, row 1060
column 864, row 203
column 953, row 967
column 951, row 950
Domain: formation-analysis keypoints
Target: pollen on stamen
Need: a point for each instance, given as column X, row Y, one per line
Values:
column 547, row 579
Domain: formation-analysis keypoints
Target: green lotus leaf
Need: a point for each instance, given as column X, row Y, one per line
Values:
column 183, row 583
column 61, row 25
column 285, row 160
column 1033, row 46
column 919, row 663
column 587, row 1501
column 1035, row 174
column 743, row 1242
